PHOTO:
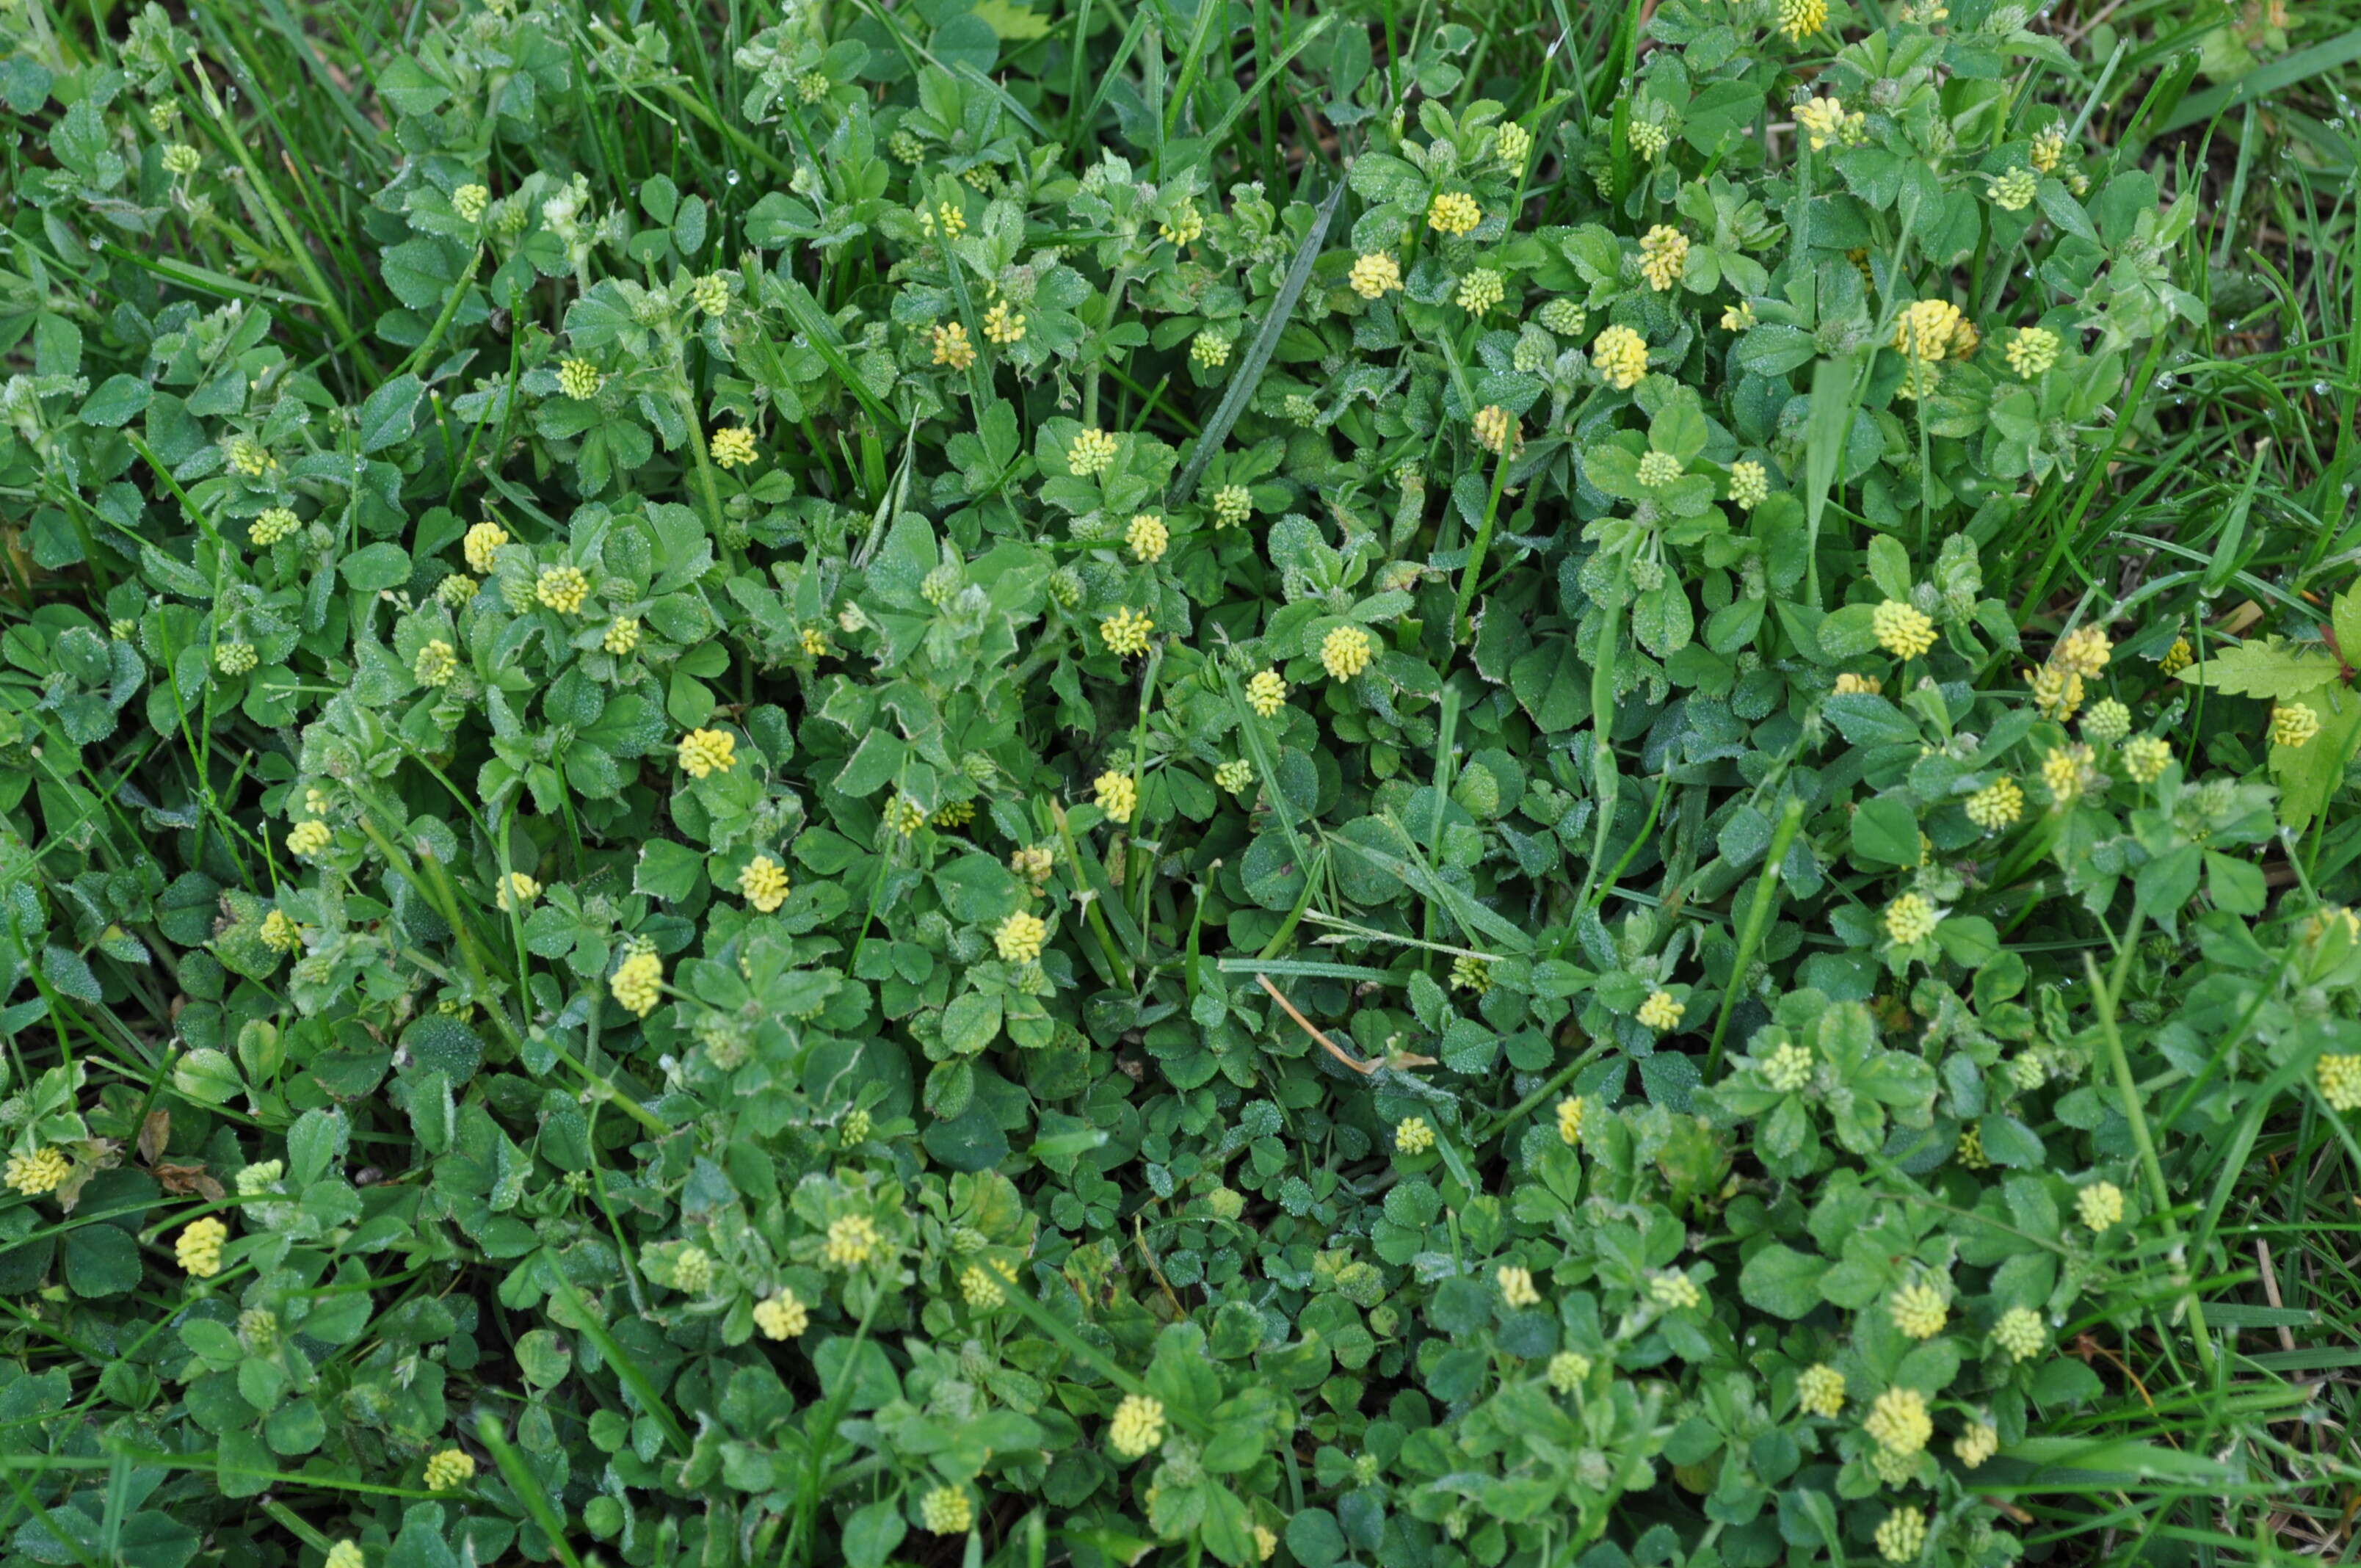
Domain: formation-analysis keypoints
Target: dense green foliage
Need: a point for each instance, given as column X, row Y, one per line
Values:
column 1357, row 787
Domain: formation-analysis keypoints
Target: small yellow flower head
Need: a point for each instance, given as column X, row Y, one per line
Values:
column 1568, row 1370
column 561, row 588
column 1649, row 139
column 622, row 635
column 1091, row 451
column 2146, row 758
column 1469, row 972
column 1126, row 631
column 706, row 751
column 734, row 447
column 306, row 840
column 2100, row 1204
column 1918, row 1310
column 1978, row 1443
column 946, row 1510
column 764, row 883
column 1184, row 228
column 1821, row 120
column 1658, row 469
column 275, row 524
column 710, row 293
column 1233, row 504
column 1512, row 146
column 2032, row 350
column 1376, row 275
column 250, row 458
column 1925, row 330
column 1789, row 1069
column 579, row 379
column 954, row 814
column 1345, row 652
column 2108, row 721
column 1674, row 1291
column 1454, row 213
column 1266, row 1542
column 280, row 932
column 1412, row 1135
column 1821, row 1390
column 2027, row 1072
column 1004, row 326
column 199, row 1248
column 2293, row 724
column 1996, row 805
column 1480, row 290
column 781, row 1315
column 1209, row 350
column 1659, row 1012
column 470, row 202
column 1850, row 684
column 1496, row 428
column 2085, row 651
column 454, row 590
column 515, row 891
column 2057, row 691
column 2062, row 772
column 853, row 1240
column 981, row 1290
column 904, row 815
column 2013, row 192
column 1799, row 19
column 2048, row 149
column 1903, row 630
column 1562, row 316
column 1516, row 1284
column 347, row 1554
column 480, row 543
column 436, row 663
column 1750, row 484
column 1147, row 537
column 2340, row 1082
column 1663, row 251
column 1570, row 1114
column 1898, row 1422
column 236, row 658
column 1903, row 1536
column 1237, row 775
column 637, row 982
column 1965, row 340
column 1910, row 919
column 1267, row 693
column 1116, row 796
column 1034, row 862
column 1738, row 317
column 1621, row 356
column 2020, row 1334
column 43, row 1170
column 1021, row 937
column 181, row 159
column 692, row 1269
column 1137, row 1427
column 449, row 1469
column 953, row 346
column 2177, row 657
column 813, row 642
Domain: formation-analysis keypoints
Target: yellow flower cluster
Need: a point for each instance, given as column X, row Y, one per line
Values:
column 2101, row 1205
column 1267, row 693
column 1116, row 794
column 2146, row 758
column 2020, row 1334
column 1147, row 537
column 1821, row 1390
column 451, row 1468
column 1568, row 1370
column 781, row 1315
column 436, row 663
column 734, row 447
column 1021, row 937
column 1910, row 919
column 199, row 1248
column 43, row 1170
column 280, row 932
column 1924, row 331
column 561, row 588
column 480, row 542
column 1185, row 227
column 1978, row 1443
column 470, row 202
column 306, row 840
column 2063, row 772
column 1454, row 213
column 2340, row 1081
column 636, row 983
column 1673, row 1291
column 2032, row 350
column 1996, row 805
column 1516, row 1286
column 1235, row 775
column 953, row 346
column 1799, row 19
column 853, row 1240
column 1126, row 631
column 1659, row 1012
column 763, row 883
column 1137, row 1426
column 515, row 891
column 2177, row 657
column 347, row 1554
column 1903, row 1536
column 579, row 379
column 1621, row 356
column 1496, row 428
column 2294, row 724
column 1664, row 252
column 706, row 752
column 1375, row 275
column 947, row 1510
column 1091, row 452
column 1412, row 1135
column 1750, row 484
column 1903, row 630
column 1480, row 290
column 1920, row 1310
column 1004, row 326
column 275, row 524
column 1850, row 684
column 2085, row 651
column 1789, row 1069
column 1570, row 1114
column 1345, row 652
column 1898, row 1422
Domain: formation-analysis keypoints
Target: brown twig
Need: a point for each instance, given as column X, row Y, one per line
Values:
column 1342, row 1054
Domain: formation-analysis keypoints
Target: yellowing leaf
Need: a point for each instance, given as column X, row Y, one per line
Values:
column 2272, row 668
column 1014, row 22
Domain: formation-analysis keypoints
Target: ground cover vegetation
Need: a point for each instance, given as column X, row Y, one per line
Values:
column 1370, row 783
